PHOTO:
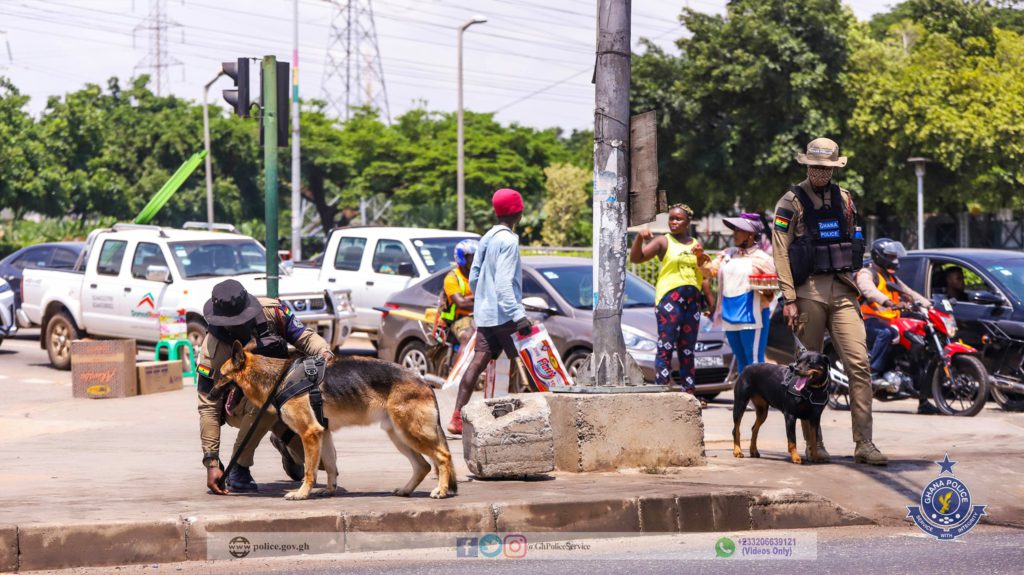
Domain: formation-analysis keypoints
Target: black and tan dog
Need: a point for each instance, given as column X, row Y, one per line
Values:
column 356, row 391
column 799, row 391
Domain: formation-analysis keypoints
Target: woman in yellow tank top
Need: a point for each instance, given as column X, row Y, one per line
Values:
column 678, row 293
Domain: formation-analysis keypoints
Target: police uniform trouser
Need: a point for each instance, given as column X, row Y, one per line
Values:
column 243, row 417
column 843, row 320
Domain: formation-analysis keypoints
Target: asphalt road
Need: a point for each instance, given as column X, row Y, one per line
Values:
column 860, row 550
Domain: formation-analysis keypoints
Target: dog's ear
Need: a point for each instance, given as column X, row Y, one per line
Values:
column 238, row 355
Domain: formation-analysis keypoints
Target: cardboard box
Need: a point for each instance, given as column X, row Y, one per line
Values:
column 158, row 376
column 103, row 368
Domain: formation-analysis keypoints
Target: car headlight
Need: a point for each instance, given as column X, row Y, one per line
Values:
column 638, row 340
column 5, row 287
column 342, row 301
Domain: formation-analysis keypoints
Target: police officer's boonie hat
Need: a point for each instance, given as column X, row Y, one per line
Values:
column 822, row 152
column 231, row 305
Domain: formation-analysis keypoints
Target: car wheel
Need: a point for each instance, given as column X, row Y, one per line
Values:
column 60, row 332
column 575, row 361
column 414, row 356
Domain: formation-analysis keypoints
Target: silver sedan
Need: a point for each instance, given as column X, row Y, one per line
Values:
column 565, row 286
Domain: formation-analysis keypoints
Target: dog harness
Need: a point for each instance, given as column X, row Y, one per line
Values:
column 798, row 387
column 304, row 376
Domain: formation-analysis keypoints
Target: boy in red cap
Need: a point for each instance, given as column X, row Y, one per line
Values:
column 496, row 279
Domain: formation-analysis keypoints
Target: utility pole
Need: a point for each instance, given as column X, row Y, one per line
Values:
column 919, row 169
column 269, row 88
column 206, row 144
column 610, row 366
column 296, row 148
column 460, row 185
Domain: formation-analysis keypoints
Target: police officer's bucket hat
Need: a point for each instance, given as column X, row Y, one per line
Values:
column 822, row 152
column 231, row 305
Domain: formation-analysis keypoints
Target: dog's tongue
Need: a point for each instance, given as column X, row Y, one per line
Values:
column 800, row 383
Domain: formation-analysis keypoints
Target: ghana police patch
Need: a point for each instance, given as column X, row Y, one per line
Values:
column 782, row 219
column 203, row 371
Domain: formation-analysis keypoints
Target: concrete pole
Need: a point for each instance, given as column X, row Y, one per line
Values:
column 460, row 186
column 610, row 365
column 296, row 148
column 919, row 166
column 270, row 168
column 919, row 171
column 206, row 145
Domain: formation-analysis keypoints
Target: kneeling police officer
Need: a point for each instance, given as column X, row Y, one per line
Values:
column 232, row 314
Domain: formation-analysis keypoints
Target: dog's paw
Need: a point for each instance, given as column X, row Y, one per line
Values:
column 401, row 493
column 755, row 453
column 297, row 495
column 796, row 459
column 737, row 452
column 439, row 493
column 322, row 492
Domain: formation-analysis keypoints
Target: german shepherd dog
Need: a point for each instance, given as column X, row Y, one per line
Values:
column 799, row 391
column 356, row 391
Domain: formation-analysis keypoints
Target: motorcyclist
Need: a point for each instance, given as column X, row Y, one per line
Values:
column 883, row 297
column 458, row 313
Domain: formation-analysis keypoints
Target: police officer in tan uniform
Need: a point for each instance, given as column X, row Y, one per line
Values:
column 817, row 244
column 232, row 314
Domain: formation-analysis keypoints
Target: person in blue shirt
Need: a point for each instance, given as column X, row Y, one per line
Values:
column 496, row 279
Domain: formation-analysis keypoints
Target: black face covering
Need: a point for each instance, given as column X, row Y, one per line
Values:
column 230, row 334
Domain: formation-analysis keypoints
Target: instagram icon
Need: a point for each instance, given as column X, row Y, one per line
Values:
column 515, row 546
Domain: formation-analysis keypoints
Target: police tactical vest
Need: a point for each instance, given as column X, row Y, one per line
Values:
column 829, row 246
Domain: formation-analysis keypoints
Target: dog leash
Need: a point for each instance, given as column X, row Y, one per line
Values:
column 248, row 434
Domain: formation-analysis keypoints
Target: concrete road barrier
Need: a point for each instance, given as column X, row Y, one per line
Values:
column 508, row 437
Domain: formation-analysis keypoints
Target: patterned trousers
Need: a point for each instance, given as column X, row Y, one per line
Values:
column 678, row 316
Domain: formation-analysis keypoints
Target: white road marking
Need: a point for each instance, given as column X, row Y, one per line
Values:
column 3, row 376
column 37, row 381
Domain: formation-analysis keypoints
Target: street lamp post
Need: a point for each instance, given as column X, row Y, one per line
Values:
column 206, row 144
column 919, row 166
column 461, row 185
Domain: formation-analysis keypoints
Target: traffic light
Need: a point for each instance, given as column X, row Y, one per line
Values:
column 239, row 96
column 283, row 103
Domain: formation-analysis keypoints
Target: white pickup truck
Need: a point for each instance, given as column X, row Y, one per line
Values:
column 375, row 262
column 128, row 273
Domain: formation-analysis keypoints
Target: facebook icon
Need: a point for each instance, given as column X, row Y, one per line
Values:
column 466, row 546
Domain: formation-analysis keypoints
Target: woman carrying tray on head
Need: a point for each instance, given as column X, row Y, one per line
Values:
column 746, row 284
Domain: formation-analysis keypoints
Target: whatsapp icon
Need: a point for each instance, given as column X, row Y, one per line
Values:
column 725, row 547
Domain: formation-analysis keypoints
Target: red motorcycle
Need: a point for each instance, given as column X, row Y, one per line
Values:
column 926, row 359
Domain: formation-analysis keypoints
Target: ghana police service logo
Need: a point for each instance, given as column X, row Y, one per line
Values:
column 946, row 511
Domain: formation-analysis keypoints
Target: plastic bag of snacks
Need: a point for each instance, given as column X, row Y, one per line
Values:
column 542, row 359
column 461, row 363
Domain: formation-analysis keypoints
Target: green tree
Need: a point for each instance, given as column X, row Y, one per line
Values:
column 567, row 207
column 21, row 154
column 746, row 91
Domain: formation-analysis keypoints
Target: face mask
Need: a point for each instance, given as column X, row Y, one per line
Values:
column 818, row 176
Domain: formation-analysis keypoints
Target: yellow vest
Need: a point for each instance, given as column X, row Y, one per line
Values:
column 678, row 268
column 868, row 309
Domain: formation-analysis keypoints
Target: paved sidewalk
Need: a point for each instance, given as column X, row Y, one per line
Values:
column 70, row 463
column 84, row 460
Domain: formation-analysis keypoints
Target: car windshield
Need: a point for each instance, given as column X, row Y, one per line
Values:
column 437, row 253
column 218, row 258
column 1010, row 273
column 576, row 285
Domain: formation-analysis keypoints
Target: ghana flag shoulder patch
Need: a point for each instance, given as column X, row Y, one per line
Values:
column 203, row 371
column 782, row 219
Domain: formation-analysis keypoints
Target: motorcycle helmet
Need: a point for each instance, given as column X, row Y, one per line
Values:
column 465, row 247
column 886, row 253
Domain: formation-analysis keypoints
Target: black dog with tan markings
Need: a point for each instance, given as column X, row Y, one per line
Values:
column 799, row 391
column 356, row 391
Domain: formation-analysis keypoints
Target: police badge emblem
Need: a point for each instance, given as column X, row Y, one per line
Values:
column 946, row 511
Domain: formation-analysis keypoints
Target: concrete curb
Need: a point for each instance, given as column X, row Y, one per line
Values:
column 56, row 546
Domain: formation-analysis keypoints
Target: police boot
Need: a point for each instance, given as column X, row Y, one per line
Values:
column 296, row 471
column 241, row 481
column 926, row 408
column 866, row 452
